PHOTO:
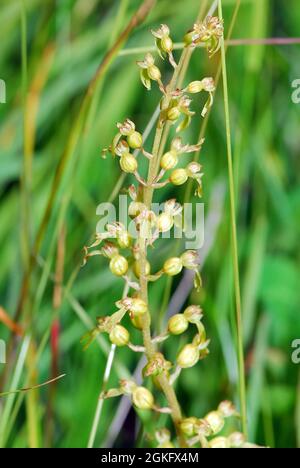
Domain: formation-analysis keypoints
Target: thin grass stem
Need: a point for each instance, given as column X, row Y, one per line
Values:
column 240, row 350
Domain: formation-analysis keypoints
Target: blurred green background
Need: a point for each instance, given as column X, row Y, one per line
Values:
column 50, row 51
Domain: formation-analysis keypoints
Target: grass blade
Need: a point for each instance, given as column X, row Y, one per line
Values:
column 242, row 378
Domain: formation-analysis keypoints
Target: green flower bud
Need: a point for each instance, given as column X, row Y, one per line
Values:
column 165, row 222
column 119, row 336
column 188, row 356
column 134, row 305
column 195, row 87
column 216, row 421
column 135, row 140
column 137, row 269
column 118, row 265
column 154, row 73
column 219, row 443
column 124, row 240
column 177, row 324
column 136, row 321
column 188, row 426
column 142, row 398
column 172, row 266
column 169, row 161
column 190, row 259
column 166, row 44
column 138, row 307
column 178, row 177
column 128, row 163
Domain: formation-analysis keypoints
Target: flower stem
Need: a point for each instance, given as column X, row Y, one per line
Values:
column 159, row 142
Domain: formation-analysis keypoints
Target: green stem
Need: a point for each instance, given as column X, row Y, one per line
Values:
column 160, row 139
column 240, row 351
column 146, row 323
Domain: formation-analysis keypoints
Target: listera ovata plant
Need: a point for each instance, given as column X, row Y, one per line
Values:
column 129, row 258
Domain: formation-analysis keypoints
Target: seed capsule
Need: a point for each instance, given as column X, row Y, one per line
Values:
column 216, row 421
column 128, row 163
column 154, row 73
column 136, row 321
column 188, row 356
column 177, row 324
column 178, row 177
column 137, row 269
column 172, row 266
column 166, row 44
column 188, row 426
column 138, row 307
column 119, row 336
column 124, row 239
column 169, row 161
column 165, row 222
column 195, row 87
column 135, row 140
column 118, row 265
column 142, row 398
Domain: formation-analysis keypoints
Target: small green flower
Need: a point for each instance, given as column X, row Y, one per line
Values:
column 157, row 365
column 164, row 43
column 209, row 32
column 177, row 324
column 149, row 71
column 180, row 106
